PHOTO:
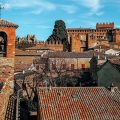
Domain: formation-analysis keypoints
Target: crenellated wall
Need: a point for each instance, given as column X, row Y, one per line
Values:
column 105, row 25
column 54, row 45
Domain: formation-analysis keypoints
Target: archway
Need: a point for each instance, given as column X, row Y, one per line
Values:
column 3, row 44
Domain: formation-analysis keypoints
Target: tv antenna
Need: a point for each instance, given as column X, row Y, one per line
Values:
column 1, row 7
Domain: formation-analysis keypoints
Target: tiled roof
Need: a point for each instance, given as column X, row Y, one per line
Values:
column 115, row 61
column 5, row 23
column 19, row 52
column 70, row 55
column 101, row 47
column 80, row 29
column 19, row 67
column 34, row 48
column 85, row 103
column 115, row 64
column 40, row 60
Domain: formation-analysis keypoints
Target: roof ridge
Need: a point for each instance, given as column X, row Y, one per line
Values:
column 73, row 87
column 6, row 23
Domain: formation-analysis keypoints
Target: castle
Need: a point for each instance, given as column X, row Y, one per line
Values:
column 82, row 39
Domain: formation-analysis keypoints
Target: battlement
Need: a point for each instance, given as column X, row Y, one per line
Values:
column 54, row 42
column 105, row 25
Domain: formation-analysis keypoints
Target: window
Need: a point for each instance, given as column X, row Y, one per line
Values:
column 72, row 66
column 83, row 66
column 3, row 44
column 37, row 67
column 64, row 66
column 53, row 66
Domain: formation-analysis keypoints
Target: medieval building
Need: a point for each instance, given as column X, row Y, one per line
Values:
column 81, row 39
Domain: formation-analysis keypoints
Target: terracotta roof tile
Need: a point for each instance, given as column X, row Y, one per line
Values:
column 70, row 55
column 19, row 67
column 115, row 61
column 19, row 52
column 78, row 104
column 5, row 23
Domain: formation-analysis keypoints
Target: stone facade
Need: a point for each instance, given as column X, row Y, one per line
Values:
column 64, row 61
column 82, row 39
column 56, row 46
column 70, row 63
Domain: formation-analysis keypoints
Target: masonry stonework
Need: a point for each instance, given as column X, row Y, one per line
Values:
column 82, row 39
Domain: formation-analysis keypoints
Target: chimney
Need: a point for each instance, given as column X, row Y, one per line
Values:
column 113, row 88
column 98, row 57
column 105, row 58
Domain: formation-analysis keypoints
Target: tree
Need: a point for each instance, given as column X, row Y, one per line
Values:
column 93, row 68
column 60, row 34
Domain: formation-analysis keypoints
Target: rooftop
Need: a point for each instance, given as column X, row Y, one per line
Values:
column 113, row 62
column 19, row 67
column 83, row 103
column 70, row 55
column 38, row 47
column 80, row 29
column 19, row 52
column 5, row 23
column 101, row 47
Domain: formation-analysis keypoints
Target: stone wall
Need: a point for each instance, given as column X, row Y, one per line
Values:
column 24, row 59
column 68, row 61
column 54, row 46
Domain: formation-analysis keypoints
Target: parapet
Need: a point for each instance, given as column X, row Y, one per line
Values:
column 105, row 25
column 54, row 42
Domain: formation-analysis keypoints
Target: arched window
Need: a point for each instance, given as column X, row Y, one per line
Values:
column 3, row 44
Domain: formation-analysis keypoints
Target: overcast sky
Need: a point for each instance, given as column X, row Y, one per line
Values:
column 38, row 16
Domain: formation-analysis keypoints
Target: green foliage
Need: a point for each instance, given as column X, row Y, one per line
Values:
column 93, row 67
column 60, row 34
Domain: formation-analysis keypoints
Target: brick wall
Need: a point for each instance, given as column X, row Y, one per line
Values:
column 54, row 46
column 11, row 34
column 24, row 59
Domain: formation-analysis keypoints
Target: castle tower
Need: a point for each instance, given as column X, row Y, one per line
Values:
column 74, row 42
column 116, row 36
column 7, row 52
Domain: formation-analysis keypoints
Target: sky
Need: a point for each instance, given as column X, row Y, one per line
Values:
column 38, row 16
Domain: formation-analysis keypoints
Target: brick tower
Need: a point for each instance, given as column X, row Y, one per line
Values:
column 7, row 52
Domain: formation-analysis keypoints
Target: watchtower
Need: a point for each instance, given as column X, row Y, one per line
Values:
column 7, row 38
column 7, row 52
